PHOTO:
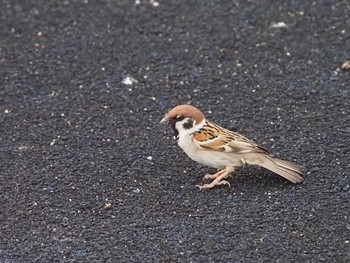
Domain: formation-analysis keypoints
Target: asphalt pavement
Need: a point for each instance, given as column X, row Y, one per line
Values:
column 87, row 173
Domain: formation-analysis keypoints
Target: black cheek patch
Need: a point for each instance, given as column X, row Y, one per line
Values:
column 188, row 124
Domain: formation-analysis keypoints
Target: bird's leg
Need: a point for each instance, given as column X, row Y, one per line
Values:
column 218, row 180
column 213, row 176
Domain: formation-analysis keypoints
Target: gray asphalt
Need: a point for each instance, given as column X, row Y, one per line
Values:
column 89, row 175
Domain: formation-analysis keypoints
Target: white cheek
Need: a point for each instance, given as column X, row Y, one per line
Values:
column 179, row 125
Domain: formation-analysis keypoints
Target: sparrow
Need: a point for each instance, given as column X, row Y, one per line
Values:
column 212, row 145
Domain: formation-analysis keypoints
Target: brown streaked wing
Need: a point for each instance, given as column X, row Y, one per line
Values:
column 214, row 137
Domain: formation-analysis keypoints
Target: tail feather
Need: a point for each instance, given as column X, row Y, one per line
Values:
column 290, row 171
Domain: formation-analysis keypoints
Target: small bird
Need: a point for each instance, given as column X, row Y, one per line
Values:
column 209, row 144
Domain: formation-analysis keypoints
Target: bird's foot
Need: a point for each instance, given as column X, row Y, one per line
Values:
column 218, row 178
column 214, row 183
column 213, row 176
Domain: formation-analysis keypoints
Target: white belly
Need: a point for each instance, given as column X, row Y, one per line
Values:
column 206, row 157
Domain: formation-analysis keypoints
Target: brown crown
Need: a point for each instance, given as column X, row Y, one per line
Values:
column 186, row 111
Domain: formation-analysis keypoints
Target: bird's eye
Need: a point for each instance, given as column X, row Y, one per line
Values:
column 179, row 118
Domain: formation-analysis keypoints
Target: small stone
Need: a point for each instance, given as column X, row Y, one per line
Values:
column 107, row 206
column 129, row 81
column 346, row 66
column 279, row 25
column 136, row 191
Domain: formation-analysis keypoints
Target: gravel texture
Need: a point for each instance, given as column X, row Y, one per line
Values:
column 89, row 175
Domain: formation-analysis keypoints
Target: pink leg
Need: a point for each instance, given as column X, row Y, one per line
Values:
column 218, row 180
column 213, row 176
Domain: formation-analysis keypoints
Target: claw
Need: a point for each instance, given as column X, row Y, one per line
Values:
column 204, row 186
column 212, row 184
column 224, row 182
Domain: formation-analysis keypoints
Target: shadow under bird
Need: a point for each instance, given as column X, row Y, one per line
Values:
column 209, row 144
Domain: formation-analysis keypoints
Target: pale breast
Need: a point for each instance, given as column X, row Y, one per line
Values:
column 207, row 157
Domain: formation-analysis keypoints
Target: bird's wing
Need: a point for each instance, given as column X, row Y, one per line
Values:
column 216, row 138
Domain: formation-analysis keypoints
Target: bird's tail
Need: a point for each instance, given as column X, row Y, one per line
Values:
column 289, row 170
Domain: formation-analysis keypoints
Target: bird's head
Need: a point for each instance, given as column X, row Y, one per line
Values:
column 184, row 118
